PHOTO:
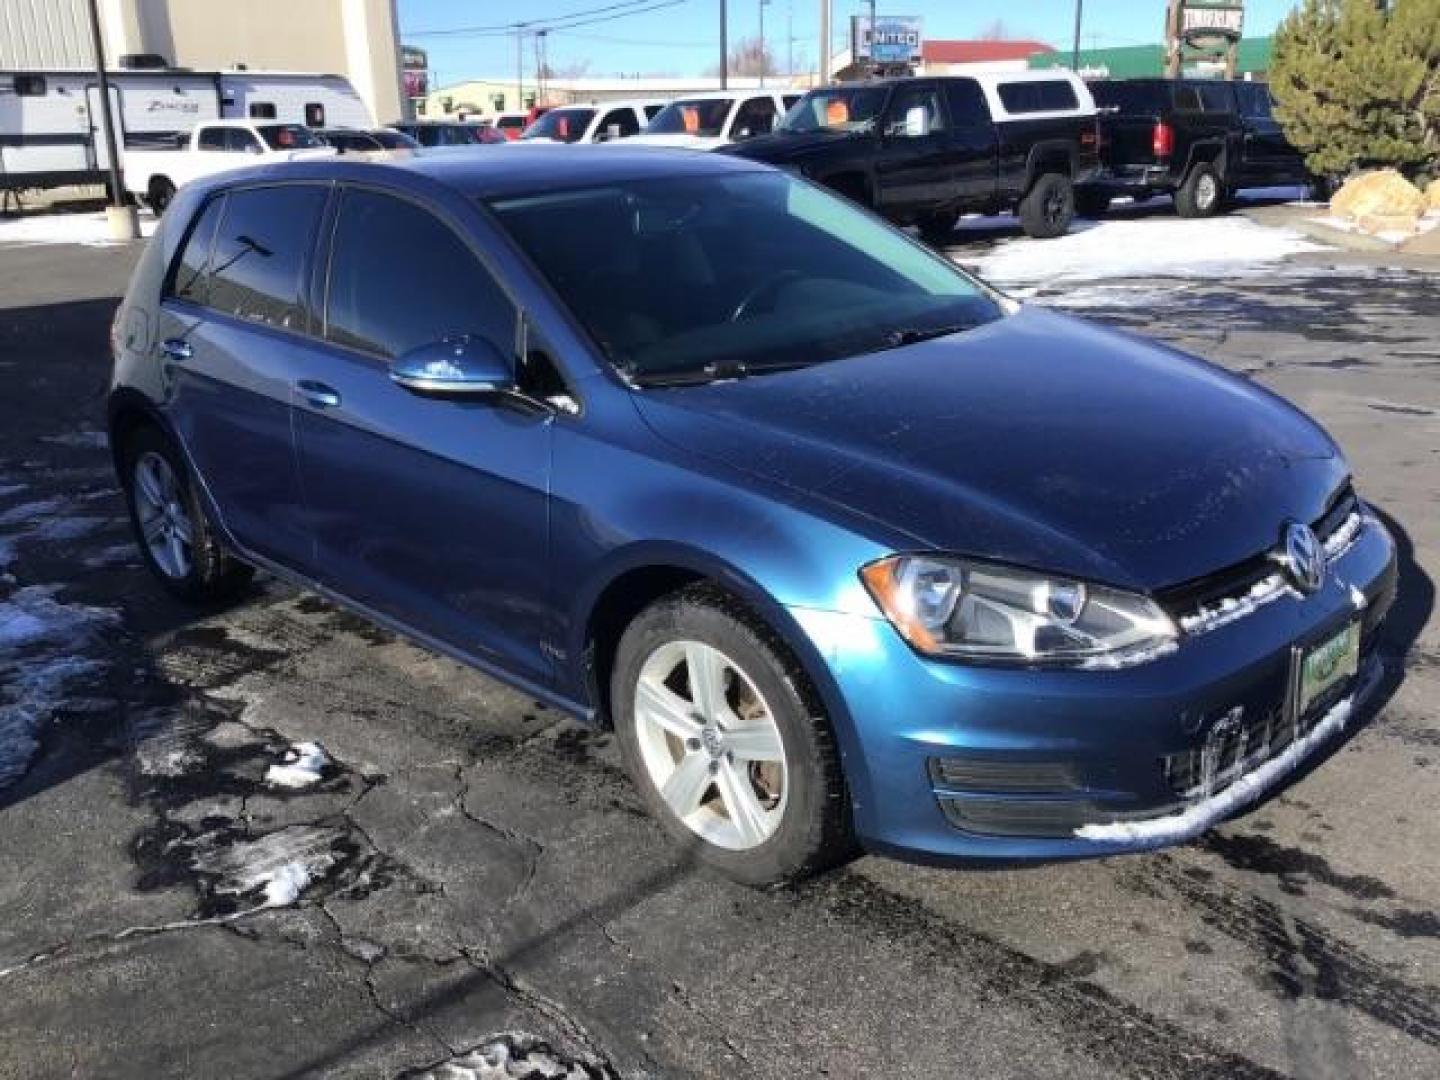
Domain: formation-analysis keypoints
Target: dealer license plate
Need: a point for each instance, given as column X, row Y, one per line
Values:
column 1328, row 664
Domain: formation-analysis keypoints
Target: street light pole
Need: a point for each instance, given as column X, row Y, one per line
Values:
column 822, row 68
column 1075, row 53
column 121, row 217
column 762, row 40
column 724, row 49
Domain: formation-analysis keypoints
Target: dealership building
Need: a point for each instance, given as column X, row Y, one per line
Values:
column 358, row 39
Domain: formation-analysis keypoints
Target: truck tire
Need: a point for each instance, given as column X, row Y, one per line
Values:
column 1091, row 204
column 1202, row 194
column 1048, row 209
column 160, row 195
column 936, row 228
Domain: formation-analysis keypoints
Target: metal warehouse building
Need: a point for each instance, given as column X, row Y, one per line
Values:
column 355, row 38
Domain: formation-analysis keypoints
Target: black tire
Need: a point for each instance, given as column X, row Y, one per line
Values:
column 160, row 195
column 814, row 831
column 937, row 228
column 1049, row 207
column 1091, row 204
column 1202, row 194
column 214, row 575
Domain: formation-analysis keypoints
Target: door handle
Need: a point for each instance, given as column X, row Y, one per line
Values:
column 177, row 349
column 318, row 394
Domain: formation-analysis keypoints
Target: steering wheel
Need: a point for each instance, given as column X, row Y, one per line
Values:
column 766, row 286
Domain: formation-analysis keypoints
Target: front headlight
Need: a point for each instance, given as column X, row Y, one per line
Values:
column 979, row 611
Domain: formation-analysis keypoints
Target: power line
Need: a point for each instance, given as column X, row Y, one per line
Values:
column 590, row 17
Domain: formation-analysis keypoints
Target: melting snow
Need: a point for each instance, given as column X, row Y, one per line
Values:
column 1246, row 789
column 89, row 228
column 1265, row 591
column 1134, row 249
column 304, row 763
column 277, row 867
column 512, row 1056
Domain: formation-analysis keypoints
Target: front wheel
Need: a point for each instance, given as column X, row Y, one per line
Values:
column 721, row 735
column 176, row 537
column 1048, row 209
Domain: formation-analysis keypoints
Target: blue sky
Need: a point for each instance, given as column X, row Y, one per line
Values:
column 682, row 39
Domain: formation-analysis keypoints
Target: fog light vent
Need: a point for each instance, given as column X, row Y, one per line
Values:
column 998, row 775
column 1021, row 817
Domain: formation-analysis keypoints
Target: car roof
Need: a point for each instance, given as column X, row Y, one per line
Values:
column 518, row 169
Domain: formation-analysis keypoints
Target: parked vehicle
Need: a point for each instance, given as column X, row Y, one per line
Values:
column 431, row 133
column 373, row 141
column 512, row 124
column 602, row 122
column 710, row 121
column 924, row 151
column 1200, row 140
column 50, row 126
column 214, row 147
column 840, row 541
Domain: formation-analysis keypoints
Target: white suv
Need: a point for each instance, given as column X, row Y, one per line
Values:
column 596, row 123
column 710, row 121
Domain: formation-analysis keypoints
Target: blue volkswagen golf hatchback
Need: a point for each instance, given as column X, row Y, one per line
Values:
column 845, row 545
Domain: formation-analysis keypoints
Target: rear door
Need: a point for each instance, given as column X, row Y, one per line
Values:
column 973, row 159
column 914, row 164
column 1269, row 156
column 431, row 511
column 231, row 338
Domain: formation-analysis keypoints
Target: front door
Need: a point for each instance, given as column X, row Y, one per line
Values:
column 912, row 170
column 230, row 339
column 1269, row 157
column 431, row 511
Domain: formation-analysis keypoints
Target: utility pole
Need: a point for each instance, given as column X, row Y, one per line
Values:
column 874, row 67
column 520, row 66
column 120, row 216
column 1079, row 18
column 762, row 40
column 724, row 50
column 790, row 42
column 822, row 68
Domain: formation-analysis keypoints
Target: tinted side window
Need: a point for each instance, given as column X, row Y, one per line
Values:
column 30, row 85
column 910, row 100
column 189, row 279
column 1130, row 97
column 1055, row 95
column 261, row 251
column 756, row 117
column 651, row 110
column 211, row 138
column 314, row 114
column 241, row 141
column 1187, row 98
column 624, row 119
column 1216, row 97
column 967, row 103
column 262, row 110
column 1255, row 100
column 375, row 307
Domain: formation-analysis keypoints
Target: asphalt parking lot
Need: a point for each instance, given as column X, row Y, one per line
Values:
column 475, row 865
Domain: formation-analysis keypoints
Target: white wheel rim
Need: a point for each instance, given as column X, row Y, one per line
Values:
column 711, row 745
column 165, row 525
column 1206, row 191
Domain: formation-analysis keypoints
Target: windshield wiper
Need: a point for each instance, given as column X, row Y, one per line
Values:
column 914, row 335
column 712, row 373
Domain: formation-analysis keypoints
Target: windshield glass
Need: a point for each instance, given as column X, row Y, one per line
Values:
column 840, row 108
column 562, row 125
column 288, row 137
column 687, row 275
column 704, row 117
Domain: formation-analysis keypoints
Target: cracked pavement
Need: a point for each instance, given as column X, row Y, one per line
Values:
column 469, row 886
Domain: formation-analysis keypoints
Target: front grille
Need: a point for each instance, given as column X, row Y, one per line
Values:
column 1192, row 600
column 1246, row 745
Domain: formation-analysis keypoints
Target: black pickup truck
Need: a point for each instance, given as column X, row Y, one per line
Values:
column 922, row 151
column 1200, row 140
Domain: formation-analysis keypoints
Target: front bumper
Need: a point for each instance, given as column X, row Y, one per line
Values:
column 952, row 762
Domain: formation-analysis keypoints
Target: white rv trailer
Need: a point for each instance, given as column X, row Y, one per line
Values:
column 50, row 119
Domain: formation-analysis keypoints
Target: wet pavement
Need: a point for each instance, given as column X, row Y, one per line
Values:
column 467, row 877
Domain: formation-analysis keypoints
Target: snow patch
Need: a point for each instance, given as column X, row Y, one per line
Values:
column 304, row 765
column 286, row 884
column 1358, row 598
column 512, row 1056
column 275, row 868
column 1244, row 790
column 90, row 229
column 1136, row 249
column 1213, row 616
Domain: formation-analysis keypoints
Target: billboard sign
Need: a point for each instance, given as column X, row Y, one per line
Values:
column 896, row 39
column 1211, row 23
column 415, row 71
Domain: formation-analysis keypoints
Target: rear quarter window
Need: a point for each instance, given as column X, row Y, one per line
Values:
column 190, row 276
column 1056, row 95
column 1131, row 97
column 260, row 253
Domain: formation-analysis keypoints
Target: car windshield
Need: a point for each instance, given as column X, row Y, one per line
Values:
column 288, row 137
column 562, row 125
column 704, row 117
column 850, row 108
column 695, row 277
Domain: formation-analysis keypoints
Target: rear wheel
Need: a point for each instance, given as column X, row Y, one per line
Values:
column 176, row 537
column 160, row 195
column 1202, row 194
column 1049, row 207
column 720, row 735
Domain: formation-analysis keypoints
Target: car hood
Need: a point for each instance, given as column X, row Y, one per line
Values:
column 780, row 147
column 1038, row 439
column 678, row 139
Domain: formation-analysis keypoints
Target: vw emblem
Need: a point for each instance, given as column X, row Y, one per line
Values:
column 1304, row 557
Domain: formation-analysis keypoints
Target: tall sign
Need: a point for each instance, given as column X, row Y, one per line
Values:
column 415, row 71
column 1203, row 29
column 894, row 39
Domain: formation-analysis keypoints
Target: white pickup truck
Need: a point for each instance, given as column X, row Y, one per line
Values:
column 213, row 147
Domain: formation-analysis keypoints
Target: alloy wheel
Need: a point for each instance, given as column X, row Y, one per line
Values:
column 165, row 524
column 711, row 745
column 1207, row 191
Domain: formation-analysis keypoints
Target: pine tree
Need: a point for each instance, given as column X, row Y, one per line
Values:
column 1357, row 83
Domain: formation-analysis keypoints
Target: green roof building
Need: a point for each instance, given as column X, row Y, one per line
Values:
column 1139, row 61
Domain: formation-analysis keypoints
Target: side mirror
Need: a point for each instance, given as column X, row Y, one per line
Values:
column 462, row 366
column 917, row 122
